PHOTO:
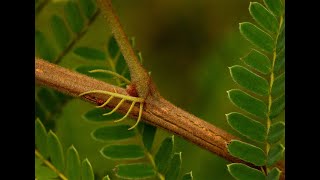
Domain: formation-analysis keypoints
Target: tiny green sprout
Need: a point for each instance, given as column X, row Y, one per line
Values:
column 123, row 98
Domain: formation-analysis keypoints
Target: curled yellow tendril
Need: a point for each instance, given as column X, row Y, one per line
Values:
column 123, row 98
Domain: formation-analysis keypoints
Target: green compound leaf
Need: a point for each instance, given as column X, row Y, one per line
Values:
column 187, row 176
column 249, row 80
column 243, row 172
column 274, row 174
column 95, row 115
column 280, row 61
column 256, row 36
column 164, row 154
column 248, row 103
column 113, row 48
column 275, row 154
column 90, row 53
column 275, row 6
column 43, row 47
column 73, row 16
column 174, row 167
column 73, row 169
column 41, row 138
column 89, row 7
column 247, row 152
column 277, row 106
column 148, row 134
column 55, row 151
column 42, row 172
column 84, row 69
column 122, row 152
column 258, row 61
column 276, row 132
column 263, row 17
column 112, row 133
column 134, row 171
column 278, row 85
column 247, row 126
column 60, row 31
column 106, row 177
column 86, row 170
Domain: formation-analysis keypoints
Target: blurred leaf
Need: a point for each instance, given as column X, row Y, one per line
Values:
column 95, row 115
column 256, row 36
column 113, row 47
column 278, row 85
column 263, row 17
column 274, row 174
column 47, row 99
column 187, row 176
column 121, row 65
column 89, row 7
column 277, row 106
column 247, row 152
column 106, row 177
column 73, row 169
column 60, row 32
column 275, row 154
column 122, row 152
column 244, row 172
column 164, row 154
column 43, row 172
column 73, row 16
column 275, row 6
column 276, row 132
column 109, row 133
column 174, row 167
column 43, row 47
column 55, row 151
column 149, row 132
column 280, row 60
column 258, row 61
column 249, row 80
column 247, row 126
column 248, row 103
column 86, row 170
column 84, row 69
column 90, row 53
column 39, row 111
column 41, row 138
column 134, row 171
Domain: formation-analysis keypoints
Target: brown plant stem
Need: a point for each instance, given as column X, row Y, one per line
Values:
column 158, row 111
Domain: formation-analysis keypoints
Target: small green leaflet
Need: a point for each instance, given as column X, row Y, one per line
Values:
column 277, row 106
column 249, row 80
column 112, row 133
column 244, row 172
column 274, row 174
column 248, row 103
column 275, row 6
column 258, row 61
column 55, row 151
column 73, row 168
column 90, row 53
column 86, row 170
column 276, row 132
column 122, row 152
column 256, row 36
column 275, row 154
column 247, row 152
column 174, row 167
column 247, row 126
column 73, row 16
column 41, row 138
column 60, row 31
column 164, row 154
column 263, row 17
column 134, row 171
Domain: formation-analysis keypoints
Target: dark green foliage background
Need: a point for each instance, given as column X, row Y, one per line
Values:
column 188, row 46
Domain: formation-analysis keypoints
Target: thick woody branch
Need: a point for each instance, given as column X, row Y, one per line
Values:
column 158, row 112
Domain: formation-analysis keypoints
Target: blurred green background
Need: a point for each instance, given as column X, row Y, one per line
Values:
column 188, row 46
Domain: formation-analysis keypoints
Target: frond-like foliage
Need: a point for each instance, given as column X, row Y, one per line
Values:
column 261, row 97
column 50, row 162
